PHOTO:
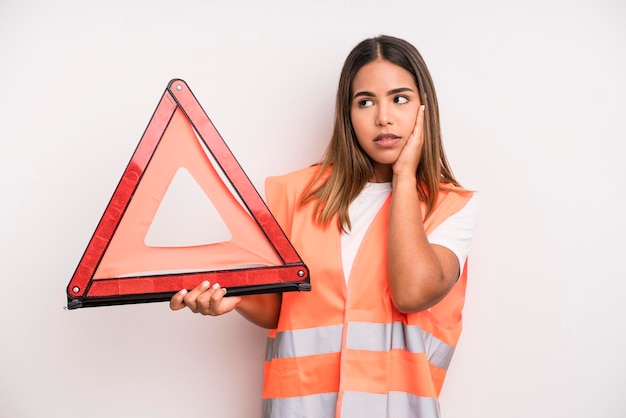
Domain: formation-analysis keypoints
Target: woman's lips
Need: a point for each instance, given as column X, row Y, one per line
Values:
column 386, row 140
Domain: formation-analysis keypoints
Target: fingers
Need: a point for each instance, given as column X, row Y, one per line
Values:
column 191, row 299
column 411, row 154
column 210, row 302
column 177, row 302
column 418, row 131
column 204, row 299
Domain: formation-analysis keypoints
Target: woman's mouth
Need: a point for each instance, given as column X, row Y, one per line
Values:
column 386, row 140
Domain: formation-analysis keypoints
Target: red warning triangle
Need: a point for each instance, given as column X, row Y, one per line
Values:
column 121, row 265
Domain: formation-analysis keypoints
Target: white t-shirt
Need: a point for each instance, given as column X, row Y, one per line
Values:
column 455, row 233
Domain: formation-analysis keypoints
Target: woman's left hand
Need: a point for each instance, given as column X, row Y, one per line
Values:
column 411, row 154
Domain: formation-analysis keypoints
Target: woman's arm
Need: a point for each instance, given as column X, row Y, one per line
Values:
column 420, row 274
column 262, row 310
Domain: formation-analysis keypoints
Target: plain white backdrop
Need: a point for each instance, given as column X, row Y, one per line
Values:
column 532, row 98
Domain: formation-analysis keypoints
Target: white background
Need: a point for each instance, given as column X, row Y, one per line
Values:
column 532, row 97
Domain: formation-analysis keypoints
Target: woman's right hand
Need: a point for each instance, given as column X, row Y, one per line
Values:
column 205, row 299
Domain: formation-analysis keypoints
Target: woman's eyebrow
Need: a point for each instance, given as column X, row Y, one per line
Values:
column 399, row 90
column 389, row 93
column 363, row 93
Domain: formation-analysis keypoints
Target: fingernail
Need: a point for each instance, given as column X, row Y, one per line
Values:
column 183, row 292
column 205, row 284
column 216, row 286
column 423, row 107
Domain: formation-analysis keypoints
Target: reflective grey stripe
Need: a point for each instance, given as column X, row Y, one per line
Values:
column 304, row 342
column 439, row 353
column 312, row 406
column 385, row 337
column 393, row 404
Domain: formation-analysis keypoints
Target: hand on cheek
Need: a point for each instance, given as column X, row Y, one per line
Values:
column 411, row 154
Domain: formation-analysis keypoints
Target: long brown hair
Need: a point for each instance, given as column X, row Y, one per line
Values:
column 351, row 167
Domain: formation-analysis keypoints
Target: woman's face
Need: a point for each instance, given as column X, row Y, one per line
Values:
column 383, row 111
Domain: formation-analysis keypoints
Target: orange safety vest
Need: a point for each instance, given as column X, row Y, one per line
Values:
column 345, row 351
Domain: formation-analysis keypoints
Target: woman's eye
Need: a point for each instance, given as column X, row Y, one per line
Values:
column 401, row 100
column 365, row 103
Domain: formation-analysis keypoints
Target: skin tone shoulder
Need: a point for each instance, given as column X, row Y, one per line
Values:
column 387, row 116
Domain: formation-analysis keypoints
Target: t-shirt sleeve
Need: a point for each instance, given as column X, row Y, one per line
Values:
column 456, row 232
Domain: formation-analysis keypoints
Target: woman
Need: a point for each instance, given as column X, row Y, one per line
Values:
column 384, row 228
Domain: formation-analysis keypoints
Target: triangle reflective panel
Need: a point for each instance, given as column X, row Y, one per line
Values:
column 183, row 212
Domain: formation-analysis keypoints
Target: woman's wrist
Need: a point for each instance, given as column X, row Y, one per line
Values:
column 400, row 181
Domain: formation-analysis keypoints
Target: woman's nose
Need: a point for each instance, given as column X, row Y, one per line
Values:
column 384, row 116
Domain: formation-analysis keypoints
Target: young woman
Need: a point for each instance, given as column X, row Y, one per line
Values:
column 384, row 228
